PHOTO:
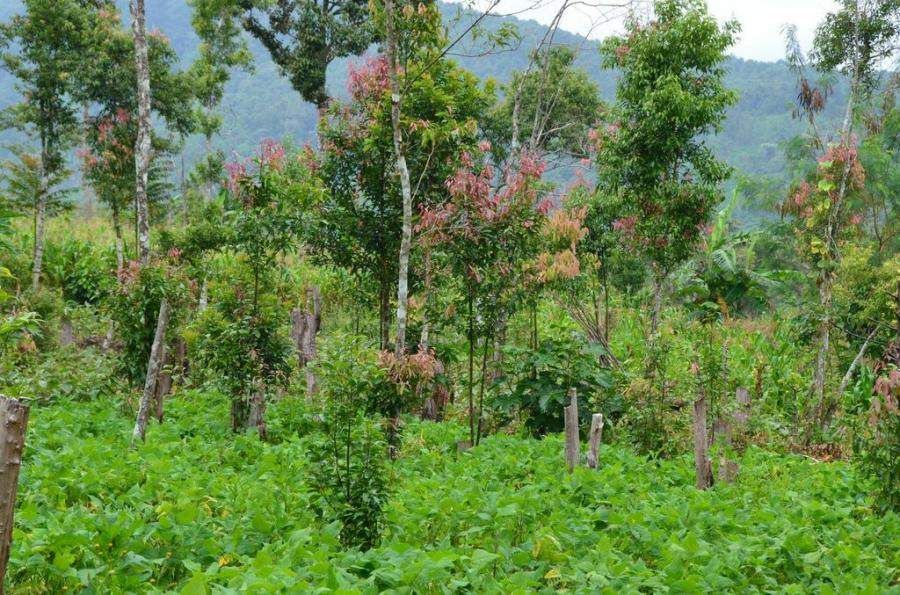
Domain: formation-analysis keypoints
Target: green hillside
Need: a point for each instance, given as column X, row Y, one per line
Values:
column 262, row 104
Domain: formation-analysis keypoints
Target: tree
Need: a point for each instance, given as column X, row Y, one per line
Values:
column 489, row 238
column 241, row 338
column 854, row 40
column 652, row 155
column 107, row 84
column 142, row 146
column 302, row 36
column 47, row 43
column 26, row 188
column 361, row 218
column 555, row 105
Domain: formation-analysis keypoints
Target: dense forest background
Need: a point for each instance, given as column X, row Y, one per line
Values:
column 261, row 104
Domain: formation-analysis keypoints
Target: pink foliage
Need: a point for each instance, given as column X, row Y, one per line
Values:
column 368, row 79
column 271, row 154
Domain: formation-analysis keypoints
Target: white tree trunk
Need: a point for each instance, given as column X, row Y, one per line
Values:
column 40, row 216
column 153, row 367
column 403, row 171
column 143, row 145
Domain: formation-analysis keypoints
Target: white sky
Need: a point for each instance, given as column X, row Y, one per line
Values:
column 761, row 20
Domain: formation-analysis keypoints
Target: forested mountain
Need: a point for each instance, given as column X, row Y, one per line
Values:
column 262, row 104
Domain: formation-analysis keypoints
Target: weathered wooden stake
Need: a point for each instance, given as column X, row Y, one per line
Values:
column 163, row 385
column 66, row 333
column 701, row 444
column 742, row 415
column 570, row 413
column 153, row 367
column 594, row 439
column 13, row 420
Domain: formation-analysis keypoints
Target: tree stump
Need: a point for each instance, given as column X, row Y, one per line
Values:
column 742, row 415
column 573, row 445
column 13, row 420
column 595, row 437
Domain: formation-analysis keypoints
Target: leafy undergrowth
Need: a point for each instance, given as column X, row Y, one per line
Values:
column 198, row 510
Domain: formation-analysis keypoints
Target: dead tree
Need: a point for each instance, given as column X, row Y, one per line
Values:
column 153, row 367
column 13, row 420
column 573, row 445
column 595, row 437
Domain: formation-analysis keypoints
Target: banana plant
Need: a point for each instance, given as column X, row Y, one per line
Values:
column 723, row 277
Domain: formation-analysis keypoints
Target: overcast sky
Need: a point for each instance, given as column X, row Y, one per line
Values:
column 761, row 20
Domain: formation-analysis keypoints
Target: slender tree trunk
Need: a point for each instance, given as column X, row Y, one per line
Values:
column 143, row 145
column 658, row 280
column 832, row 232
column 426, row 324
column 484, row 372
column 13, row 421
column 471, row 371
column 257, row 410
column 40, row 216
column 87, row 193
column 120, row 250
column 845, row 381
column 153, row 367
column 384, row 316
column 403, row 171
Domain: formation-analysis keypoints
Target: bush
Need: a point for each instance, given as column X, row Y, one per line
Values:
column 348, row 469
column 135, row 309
column 83, row 271
column 541, row 379
column 878, row 442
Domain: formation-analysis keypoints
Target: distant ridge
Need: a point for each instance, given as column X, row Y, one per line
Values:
column 262, row 104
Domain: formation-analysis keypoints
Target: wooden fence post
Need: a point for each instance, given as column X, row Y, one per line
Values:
column 13, row 420
column 153, row 366
column 701, row 443
column 571, row 424
column 66, row 333
column 594, row 438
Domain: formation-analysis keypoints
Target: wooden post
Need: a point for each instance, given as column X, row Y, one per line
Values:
column 594, row 439
column 312, row 318
column 570, row 414
column 742, row 415
column 13, row 420
column 727, row 470
column 66, row 333
column 153, row 366
column 701, row 444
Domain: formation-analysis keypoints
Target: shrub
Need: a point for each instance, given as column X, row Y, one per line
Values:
column 348, row 469
column 83, row 271
column 541, row 380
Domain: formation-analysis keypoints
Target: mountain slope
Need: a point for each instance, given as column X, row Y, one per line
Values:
column 262, row 104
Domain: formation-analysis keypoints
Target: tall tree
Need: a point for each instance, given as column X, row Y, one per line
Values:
column 107, row 85
column 43, row 48
column 855, row 40
column 142, row 147
column 653, row 156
